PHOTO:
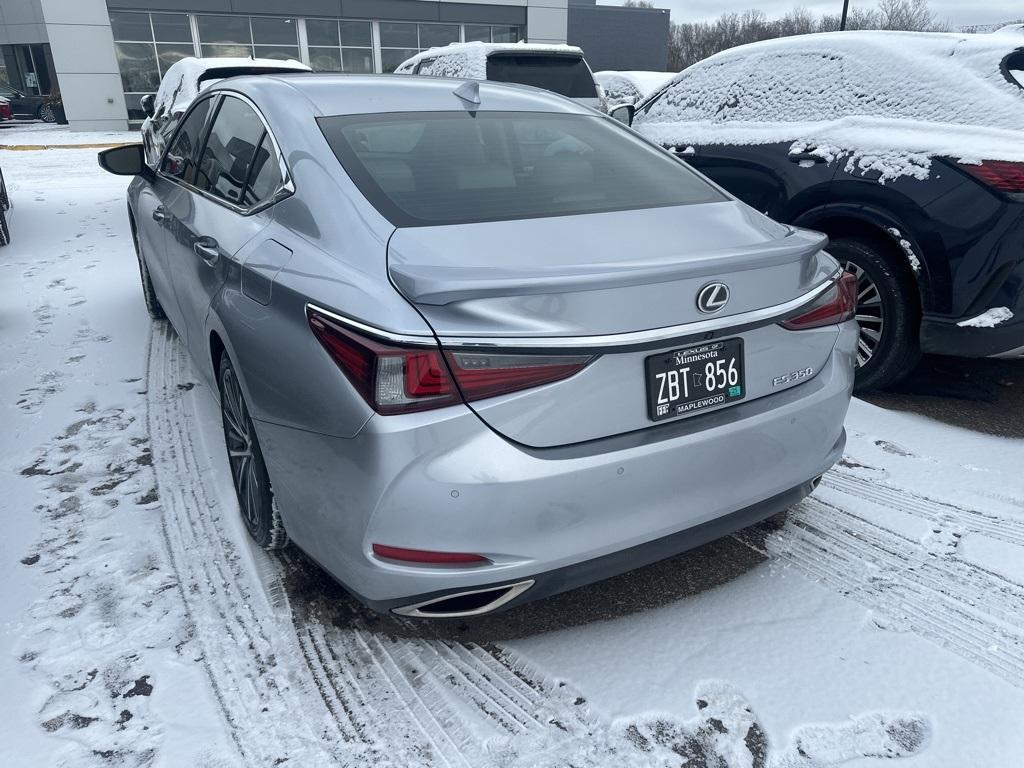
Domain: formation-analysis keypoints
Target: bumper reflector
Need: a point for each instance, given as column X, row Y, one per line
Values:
column 426, row 557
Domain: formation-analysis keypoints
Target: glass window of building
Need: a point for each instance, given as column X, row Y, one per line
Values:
column 340, row 46
column 400, row 40
column 485, row 33
column 146, row 44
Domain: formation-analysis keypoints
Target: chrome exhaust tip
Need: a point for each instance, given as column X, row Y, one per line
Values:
column 472, row 602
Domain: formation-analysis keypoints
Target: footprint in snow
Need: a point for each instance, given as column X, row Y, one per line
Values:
column 726, row 729
column 893, row 448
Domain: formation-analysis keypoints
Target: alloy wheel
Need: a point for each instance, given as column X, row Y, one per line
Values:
column 241, row 450
column 869, row 315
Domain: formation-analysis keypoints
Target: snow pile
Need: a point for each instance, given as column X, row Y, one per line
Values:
column 630, row 87
column 989, row 319
column 890, row 101
column 469, row 60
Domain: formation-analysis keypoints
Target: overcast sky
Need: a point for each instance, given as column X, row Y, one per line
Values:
column 957, row 12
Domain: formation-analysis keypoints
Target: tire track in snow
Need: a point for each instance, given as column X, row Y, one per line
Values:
column 967, row 609
column 998, row 527
column 243, row 652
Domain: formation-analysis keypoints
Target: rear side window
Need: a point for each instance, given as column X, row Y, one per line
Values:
column 434, row 168
column 238, row 164
column 179, row 161
column 567, row 75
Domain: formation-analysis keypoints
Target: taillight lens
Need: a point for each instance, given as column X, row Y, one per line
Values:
column 396, row 379
column 998, row 174
column 391, row 379
column 486, row 375
column 837, row 305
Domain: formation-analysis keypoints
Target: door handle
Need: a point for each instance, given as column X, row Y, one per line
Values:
column 206, row 249
column 806, row 157
column 159, row 214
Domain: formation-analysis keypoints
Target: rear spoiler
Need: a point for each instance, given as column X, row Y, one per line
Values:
column 438, row 285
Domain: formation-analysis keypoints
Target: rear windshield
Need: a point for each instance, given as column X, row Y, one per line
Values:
column 567, row 75
column 433, row 168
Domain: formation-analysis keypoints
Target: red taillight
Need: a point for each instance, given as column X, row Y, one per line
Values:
column 5, row 110
column 391, row 379
column 427, row 557
column 486, row 375
column 998, row 174
column 837, row 305
column 397, row 379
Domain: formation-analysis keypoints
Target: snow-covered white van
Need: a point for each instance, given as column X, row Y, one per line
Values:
column 558, row 68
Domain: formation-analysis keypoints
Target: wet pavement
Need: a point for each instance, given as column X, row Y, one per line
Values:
column 984, row 395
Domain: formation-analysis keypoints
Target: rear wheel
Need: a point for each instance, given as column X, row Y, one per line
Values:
column 248, row 470
column 5, row 233
column 887, row 311
column 45, row 113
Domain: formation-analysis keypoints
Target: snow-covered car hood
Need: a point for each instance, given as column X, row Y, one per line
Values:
column 892, row 99
column 630, row 86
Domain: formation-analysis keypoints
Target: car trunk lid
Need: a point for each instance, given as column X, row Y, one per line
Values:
column 621, row 286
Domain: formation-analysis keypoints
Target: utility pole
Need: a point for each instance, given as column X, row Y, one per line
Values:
column 842, row 21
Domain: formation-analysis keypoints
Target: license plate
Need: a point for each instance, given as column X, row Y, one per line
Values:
column 694, row 378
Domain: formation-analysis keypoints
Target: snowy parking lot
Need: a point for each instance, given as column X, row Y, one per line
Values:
column 881, row 619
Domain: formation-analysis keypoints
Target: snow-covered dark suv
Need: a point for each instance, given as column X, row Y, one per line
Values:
column 907, row 149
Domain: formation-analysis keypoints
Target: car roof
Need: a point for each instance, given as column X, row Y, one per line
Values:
column 351, row 94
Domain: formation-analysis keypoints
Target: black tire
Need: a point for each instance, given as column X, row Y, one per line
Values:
column 5, row 200
column 888, row 311
column 248, row 470
column 5, row 232
column 153, row 306
column 45, row 113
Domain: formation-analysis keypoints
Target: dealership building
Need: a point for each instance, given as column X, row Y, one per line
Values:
column 102, row 56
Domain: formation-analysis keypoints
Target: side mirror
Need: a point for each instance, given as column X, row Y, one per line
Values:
column 129, row 160
column 147, row 104
column 623, row 113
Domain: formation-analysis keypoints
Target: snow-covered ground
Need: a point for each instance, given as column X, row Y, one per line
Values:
column 883, row 618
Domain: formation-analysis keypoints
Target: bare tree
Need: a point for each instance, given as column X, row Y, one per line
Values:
column 691, row 42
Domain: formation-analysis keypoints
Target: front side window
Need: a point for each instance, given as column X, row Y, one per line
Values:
column 567, row 75
column 180, row 160
column 238, row 157
column 435, row 168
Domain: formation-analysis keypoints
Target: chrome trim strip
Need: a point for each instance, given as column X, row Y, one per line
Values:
column 514, row 591
column 640, row 337
column 370, row 330
column 589, row 342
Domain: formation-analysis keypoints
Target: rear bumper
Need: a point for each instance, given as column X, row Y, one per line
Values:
column 615, row 563
column 562, row 517
column 940, row 336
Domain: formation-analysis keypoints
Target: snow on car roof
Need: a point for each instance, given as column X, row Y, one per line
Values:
column 892, row 100
column 182, row 81
column 469, row 60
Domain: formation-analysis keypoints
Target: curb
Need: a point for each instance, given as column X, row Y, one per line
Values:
column 34, row 147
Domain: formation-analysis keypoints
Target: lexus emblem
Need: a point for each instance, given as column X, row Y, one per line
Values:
column 712, row 298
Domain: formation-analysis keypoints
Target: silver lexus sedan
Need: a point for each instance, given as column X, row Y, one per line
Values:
column 477, row 344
